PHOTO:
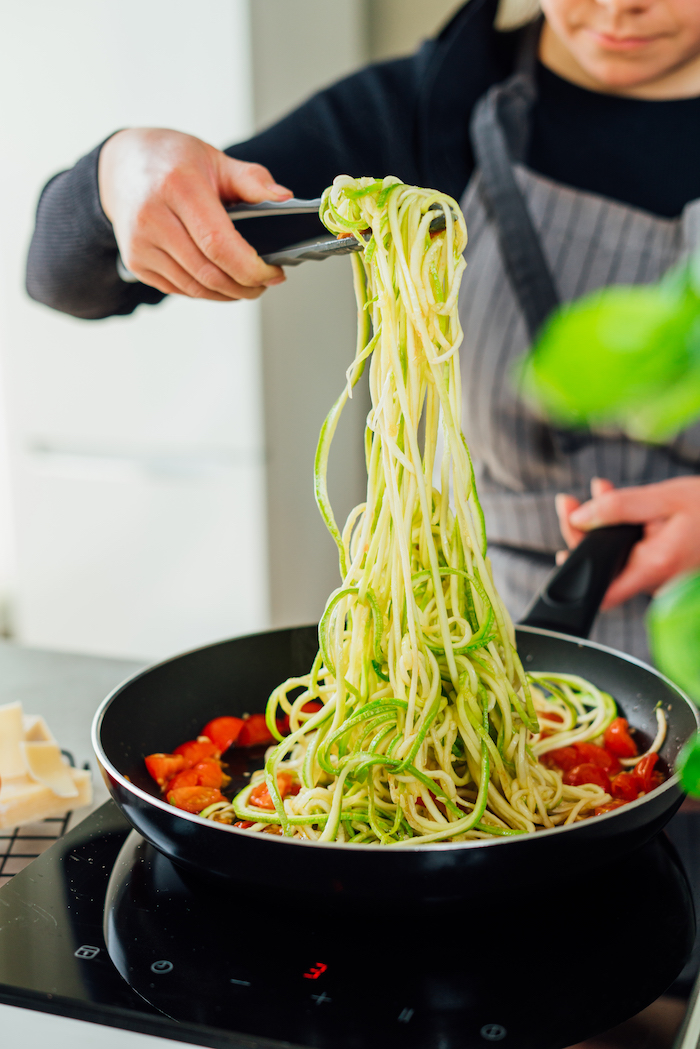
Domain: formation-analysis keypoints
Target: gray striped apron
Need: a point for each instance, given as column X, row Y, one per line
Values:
column 533, row 243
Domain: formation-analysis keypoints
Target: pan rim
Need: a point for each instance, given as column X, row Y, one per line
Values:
column 671, row 784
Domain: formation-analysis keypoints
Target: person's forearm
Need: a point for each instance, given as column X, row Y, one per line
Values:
column 72, row 257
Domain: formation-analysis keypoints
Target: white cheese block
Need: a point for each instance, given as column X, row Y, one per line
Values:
column 35, row 728
column 11, row 735
column 45, row 764
column 24, row 801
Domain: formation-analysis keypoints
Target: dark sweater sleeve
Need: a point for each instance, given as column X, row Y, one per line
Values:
column 72, row 261
column 364, row 124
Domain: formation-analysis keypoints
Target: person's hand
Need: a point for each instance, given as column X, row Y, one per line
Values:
column 670, row 513
column 162, row 192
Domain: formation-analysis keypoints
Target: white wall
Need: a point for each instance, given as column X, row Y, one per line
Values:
column 136, row 443
column 308, row 324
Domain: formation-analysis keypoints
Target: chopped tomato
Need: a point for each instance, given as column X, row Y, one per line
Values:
column 163, row 767
column 618, row 740
column 186, row 778
column 644, row 769
column 565, row 757
column 243, row 824
column 260, row 796
column 194, row 799
column 626, row 786
column 599, row 756
column 587, row 773
column 206, row 773
column 255, row 731
column 551, row 715
column 196, row 750
column 223, row 732
column 610, row 807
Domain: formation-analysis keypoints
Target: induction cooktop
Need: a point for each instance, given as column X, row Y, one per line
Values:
column 102, row 927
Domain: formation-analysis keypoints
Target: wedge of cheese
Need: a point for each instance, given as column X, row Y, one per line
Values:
column 35, row 782
column 24, row 801
column 45, row 765
column 11, row 735
column 35, row 728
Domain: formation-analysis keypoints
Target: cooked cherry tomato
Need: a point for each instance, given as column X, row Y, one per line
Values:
column 206, row 773
column 223, row 732
column 254, row 731
column 163, row 767
column 260, row 796
column 599, row 756
column 626, row 786
column 195, row 750
column 618, row 740
column 644, row 769
column 194, row 799
column 610, row 807
column 186, row 778
column 587, row 773
column 243, row 824
column 565, row 757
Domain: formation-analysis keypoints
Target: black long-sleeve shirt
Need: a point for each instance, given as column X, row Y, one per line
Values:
column 410, row 118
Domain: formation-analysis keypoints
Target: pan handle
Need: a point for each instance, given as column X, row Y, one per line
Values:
column 569, row 600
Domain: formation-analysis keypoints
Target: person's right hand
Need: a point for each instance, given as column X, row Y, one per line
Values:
column 162, row 191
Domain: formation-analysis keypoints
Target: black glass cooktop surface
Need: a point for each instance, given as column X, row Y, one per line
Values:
column 102, row 927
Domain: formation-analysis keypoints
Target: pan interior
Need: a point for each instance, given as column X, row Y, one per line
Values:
column 170, row 702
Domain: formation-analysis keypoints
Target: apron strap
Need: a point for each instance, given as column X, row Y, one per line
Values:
column 501, row 116
column 500, row 131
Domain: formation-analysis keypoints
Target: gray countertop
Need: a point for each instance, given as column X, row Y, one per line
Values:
column 67, row 690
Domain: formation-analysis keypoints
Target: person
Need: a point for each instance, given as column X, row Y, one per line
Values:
column 571, row 146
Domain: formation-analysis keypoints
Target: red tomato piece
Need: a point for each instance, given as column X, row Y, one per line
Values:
column 312, row 707
column 206, row 773
column 243, row 824
column 610, row 807
column 261, row 798
column 163, row 767
column 626, row 786
column 644, row 769
column 255, row 731
column 598, row 756
column 587, row 773
column 186, row 778
column 194, row 799
column 618, row 740
column 223, row 732
column 196, row 750
column 565, row 757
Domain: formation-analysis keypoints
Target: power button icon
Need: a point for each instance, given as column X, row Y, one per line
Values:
column 162, row 966
column 493, row 1032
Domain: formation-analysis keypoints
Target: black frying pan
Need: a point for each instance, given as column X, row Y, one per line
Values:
column 170, row 702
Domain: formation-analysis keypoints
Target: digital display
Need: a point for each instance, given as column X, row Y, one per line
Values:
column 315, row 971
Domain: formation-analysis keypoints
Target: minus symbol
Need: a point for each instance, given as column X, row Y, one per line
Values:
column 241, row 983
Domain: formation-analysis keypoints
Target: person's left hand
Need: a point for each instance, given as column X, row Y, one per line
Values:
column 670, row 513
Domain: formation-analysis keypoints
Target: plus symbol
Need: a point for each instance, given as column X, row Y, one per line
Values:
column 318, row 998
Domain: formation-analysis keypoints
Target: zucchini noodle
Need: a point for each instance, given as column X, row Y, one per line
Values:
column 425, row 727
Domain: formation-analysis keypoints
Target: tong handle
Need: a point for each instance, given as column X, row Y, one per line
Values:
column 312, row 251
column 293, row 206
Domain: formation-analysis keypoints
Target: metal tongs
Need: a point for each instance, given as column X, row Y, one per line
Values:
column 315, row 250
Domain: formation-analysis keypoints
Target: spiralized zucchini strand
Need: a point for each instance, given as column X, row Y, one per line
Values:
column 428, row 730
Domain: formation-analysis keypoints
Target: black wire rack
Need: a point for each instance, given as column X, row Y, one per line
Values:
column 20, row 845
